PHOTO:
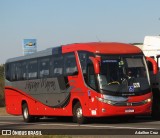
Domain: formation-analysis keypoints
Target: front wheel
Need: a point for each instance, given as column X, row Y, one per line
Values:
column 78, row 114
column 26, row 116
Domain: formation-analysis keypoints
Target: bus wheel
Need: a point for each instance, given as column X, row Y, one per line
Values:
column 26, row 116
column 78, row 114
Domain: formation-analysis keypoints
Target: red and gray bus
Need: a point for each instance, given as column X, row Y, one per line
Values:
column 82, row 80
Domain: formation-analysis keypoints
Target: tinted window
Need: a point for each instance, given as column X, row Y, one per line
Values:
column 70, row 64
column 13, row 72
column 32, row 69
column 91, row 77
column 8, row 71
column 88, row 69
column 18, row 71
column 24, row 70
column 44, row 67
column 83, row 56
column 57, row 65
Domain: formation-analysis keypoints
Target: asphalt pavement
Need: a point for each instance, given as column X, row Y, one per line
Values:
column 65, row 126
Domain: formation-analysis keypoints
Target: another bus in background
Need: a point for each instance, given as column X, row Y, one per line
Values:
column 151, row 48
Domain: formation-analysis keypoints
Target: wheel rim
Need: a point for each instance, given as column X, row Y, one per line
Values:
column 25, row 113
column 79, row 112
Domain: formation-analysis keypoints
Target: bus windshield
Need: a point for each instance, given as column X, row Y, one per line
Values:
column 123, row 74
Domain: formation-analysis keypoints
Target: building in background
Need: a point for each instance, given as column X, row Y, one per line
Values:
column 29, row 46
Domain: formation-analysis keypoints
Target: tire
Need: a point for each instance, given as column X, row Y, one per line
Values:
column 78, row 114
column 26, row 116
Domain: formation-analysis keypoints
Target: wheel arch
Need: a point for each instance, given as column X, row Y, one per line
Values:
column 82, row 103
column 76, row 100
column 76, row 107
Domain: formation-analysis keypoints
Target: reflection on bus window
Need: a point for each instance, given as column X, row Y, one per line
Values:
column 44, row 67
column 32, row 69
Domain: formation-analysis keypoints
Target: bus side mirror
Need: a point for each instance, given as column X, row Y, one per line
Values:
column 96, row 64
column 154, row 65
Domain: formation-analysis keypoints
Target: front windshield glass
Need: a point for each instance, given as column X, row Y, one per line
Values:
column 123, row 74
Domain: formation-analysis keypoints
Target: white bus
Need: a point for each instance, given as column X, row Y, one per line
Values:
column 151, row 48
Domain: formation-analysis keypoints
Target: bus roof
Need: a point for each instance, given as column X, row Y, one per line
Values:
column 95, row 47
column 103, row 48
column 42, row 53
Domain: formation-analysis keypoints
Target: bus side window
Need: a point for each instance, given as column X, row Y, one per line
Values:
column 32, row 69
column 57, row 66
column 70, row 66
column 87, row 69
column 18, row 71
column 91, row 78
column 13, row 72
column 8, row 71
column 24, row 70
column 44, row 67
column 83, row 59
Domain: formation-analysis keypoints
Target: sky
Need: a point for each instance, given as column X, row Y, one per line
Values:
column 58, row 22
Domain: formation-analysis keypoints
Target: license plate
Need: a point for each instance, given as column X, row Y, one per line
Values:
column 129, row 111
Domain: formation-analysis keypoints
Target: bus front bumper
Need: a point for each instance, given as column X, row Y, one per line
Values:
column 143, row 107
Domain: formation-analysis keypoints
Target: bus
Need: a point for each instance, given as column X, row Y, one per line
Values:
column 81, row 80
column 151, row 48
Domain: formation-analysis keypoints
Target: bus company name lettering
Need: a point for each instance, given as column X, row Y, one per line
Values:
column 42, row 83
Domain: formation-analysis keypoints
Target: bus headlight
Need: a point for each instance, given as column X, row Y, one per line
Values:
column 148, row 100
column 124, row 103
column 105, row 101
column 112, row 100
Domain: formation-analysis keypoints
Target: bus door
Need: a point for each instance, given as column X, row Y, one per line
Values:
column 89, row 75
column 93, row 84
